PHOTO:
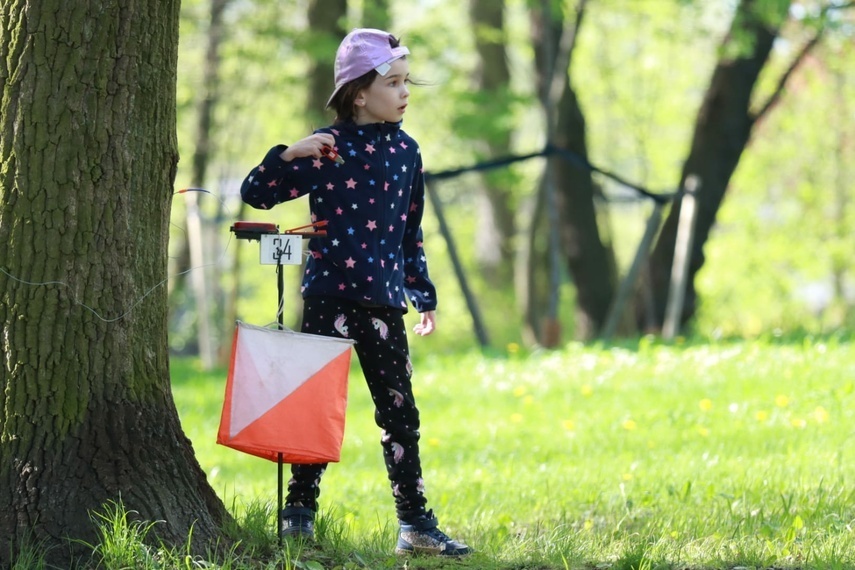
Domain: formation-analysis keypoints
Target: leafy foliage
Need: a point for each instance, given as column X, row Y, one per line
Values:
column 640, row 70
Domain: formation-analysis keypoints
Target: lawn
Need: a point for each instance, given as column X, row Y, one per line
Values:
column 693, row 455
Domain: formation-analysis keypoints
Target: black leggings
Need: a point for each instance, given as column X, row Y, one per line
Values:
column 383, row 352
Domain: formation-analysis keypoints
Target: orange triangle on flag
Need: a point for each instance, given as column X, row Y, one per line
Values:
column 286, row 393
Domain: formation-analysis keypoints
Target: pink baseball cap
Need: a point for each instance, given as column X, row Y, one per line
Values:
column 362, row 50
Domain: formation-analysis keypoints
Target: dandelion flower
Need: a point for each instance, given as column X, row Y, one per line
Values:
column 782, row 401
column 569, row 425
column 629, row 425
column 586, row 390
column 516, row 418
column 798, row 423
column 627, row 476
column 761, row 415
column 519, row 391
column 820, row 415
column 705, row 404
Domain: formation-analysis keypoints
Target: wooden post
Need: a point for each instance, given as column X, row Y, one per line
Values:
column 682, row 257
column 626, row 286
column 199, row 280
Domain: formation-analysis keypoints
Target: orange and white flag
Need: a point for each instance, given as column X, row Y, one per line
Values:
column 286, row 393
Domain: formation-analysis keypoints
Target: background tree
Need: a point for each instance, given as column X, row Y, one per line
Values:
column 589, row 260
column 325, row 31
column 376, row 14
column 88, row 148
column 492, row 96
column 638, row 71
column 200, row 239
column 722, row 131
column 565, row 204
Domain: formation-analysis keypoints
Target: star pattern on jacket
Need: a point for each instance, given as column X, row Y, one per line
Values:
column 373, row 203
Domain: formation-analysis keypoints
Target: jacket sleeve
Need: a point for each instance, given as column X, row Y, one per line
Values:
column 417, row 284
column 275, row 181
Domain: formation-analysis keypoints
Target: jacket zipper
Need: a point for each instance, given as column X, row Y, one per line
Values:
column 384, row 289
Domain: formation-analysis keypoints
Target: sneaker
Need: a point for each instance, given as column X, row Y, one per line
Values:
column 297, row 522
column 423, row 537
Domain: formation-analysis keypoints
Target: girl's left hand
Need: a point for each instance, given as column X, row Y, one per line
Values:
column 427, row 325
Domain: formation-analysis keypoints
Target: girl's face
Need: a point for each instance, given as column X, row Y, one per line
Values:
column 385, row 100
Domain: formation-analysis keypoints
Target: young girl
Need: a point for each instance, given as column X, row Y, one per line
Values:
column 364, row 176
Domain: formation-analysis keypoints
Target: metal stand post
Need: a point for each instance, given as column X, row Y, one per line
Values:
column 277, row 249
column 279, row 504
column 280, row 310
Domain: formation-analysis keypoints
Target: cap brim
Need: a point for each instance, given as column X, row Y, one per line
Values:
column 334, row 93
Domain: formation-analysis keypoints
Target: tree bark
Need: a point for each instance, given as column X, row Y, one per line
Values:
column 89, row 154
column 722, row 131
column 496, row 228
column 581, row 247
column 587, row 257
column 326, row 20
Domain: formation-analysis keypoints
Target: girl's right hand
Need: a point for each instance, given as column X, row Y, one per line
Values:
column 312, row 145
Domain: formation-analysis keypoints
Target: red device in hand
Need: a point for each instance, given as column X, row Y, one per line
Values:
column 332, row 154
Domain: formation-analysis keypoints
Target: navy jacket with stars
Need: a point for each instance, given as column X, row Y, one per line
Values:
column 374, row 202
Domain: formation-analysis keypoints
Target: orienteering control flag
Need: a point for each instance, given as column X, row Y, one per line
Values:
column 286, row 393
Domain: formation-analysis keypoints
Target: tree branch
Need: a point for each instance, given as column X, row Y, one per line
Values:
column 806, row 49
column 782, row 82
column 564, row 55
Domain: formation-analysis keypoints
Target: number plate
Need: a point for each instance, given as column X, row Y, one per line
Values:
column 281, row 249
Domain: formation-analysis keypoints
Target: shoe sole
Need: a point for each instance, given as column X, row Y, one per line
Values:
column 416, row 551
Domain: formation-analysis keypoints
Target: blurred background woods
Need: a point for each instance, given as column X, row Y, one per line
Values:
column 752, row 98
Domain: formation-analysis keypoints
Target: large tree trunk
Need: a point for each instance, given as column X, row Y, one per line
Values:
column 571, row 205
column 722, row 131
column 496, row 227
column 88, row 147
column 589, row 260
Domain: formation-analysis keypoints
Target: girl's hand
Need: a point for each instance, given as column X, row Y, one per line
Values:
column 312, row 145
column 427, row 325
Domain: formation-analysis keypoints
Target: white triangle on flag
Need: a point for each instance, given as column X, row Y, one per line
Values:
column 270, row 364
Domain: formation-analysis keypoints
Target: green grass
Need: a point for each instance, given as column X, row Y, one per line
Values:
column 724, row 455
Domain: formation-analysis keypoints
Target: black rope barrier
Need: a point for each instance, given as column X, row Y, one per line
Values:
column 565, row 154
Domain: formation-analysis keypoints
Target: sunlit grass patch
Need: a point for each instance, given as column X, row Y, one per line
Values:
column 696, row 456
